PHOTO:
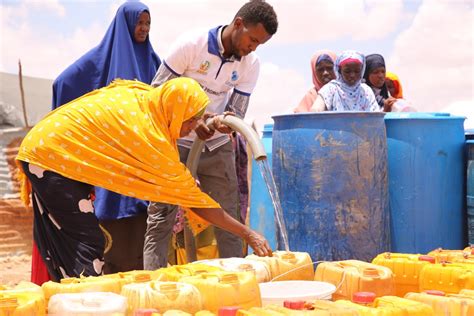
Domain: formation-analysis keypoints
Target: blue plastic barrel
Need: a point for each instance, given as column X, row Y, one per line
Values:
column 426, row 163
column 470, row 190
column 262, row 214
column 331, row 173
column 469, row 133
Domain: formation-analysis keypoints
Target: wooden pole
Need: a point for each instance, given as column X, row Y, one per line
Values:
column 22, row 94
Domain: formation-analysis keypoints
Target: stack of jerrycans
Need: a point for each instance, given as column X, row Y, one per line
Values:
column 452, row 304
column 406, row 269
column 24, row 299
column 365, row 303
column 445, row 255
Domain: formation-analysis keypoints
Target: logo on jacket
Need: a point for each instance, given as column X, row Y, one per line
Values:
column 234, row 76
column 204, row 67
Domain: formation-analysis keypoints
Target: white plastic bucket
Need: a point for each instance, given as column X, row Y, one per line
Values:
column 279, row 291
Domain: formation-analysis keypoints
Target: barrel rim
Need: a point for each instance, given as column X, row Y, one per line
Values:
column 330, row 113
column 423, row 116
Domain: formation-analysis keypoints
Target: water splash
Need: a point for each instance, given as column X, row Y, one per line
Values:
column 267, row 174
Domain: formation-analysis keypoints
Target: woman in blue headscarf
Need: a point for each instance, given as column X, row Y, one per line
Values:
column 125, row 52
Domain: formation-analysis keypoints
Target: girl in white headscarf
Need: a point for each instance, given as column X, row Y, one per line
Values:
column 346, row 92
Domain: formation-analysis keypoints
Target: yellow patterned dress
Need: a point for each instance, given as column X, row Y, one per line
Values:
column 122, row 138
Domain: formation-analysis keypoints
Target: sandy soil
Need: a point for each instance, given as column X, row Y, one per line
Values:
column 14, row 268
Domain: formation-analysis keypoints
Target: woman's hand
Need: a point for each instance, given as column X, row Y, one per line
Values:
column 202, row 130
column 220, row 218
column 388, row 103
column 258, row 243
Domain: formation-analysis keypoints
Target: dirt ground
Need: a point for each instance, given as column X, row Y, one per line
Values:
column 16, row 239
column 14, row 268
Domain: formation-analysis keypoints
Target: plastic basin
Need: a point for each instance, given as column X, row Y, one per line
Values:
column 279, row 291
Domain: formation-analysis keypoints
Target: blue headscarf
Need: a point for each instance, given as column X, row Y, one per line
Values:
column 117, row 56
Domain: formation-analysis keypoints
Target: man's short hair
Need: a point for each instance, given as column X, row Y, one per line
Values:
column 259, row 11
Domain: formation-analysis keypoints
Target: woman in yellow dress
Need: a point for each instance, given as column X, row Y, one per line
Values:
column 122, row 138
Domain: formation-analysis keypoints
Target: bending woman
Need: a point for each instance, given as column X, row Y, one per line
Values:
column 123, row 138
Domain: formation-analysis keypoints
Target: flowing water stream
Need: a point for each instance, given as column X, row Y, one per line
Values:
column 266, row 172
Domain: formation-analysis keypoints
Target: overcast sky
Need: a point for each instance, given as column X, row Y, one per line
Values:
column 428, row 43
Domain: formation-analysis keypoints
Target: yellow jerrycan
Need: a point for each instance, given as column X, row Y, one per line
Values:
column 351, row 276
column 406, row 269
column 174, row 273
column 333, row 309
column 87, row 304
column 219, row 289
column 163, row 296
column 448, row 255
column 447, row 277
column 259, row 268
column 79, row 285
column 18, row 303
column 444, row 305
column 135, row 276
column 403, row 306
column 288, row 265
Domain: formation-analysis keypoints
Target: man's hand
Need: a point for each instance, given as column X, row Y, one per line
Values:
column 224, row 129
column 202, row 131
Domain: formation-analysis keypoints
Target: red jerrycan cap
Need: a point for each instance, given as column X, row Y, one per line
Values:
column 228, row 311
column 145, row 311
column 298, row 305
column 427, row 258
column 363, row 297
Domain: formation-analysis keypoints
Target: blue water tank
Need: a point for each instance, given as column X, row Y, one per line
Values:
column 470, row 190
column 469, row 133
column 426, row 163
column 331, row 173
column 262, row 212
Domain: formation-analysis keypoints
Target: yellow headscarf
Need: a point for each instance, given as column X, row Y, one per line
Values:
column 396, row 83
column 123, row 138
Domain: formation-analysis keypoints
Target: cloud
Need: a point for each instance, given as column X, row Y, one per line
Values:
column 462, row 108
column 43, row 54
column 278, row 91
column 170, row 18
column 300, row 21
column 433, row 57
column 313, row 21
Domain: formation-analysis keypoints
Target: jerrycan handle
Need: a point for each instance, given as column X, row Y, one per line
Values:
column 184, row 270
column 371, row 273
column 227, row 278
column 289, row 257
column 9, row 302
column 142, row 277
